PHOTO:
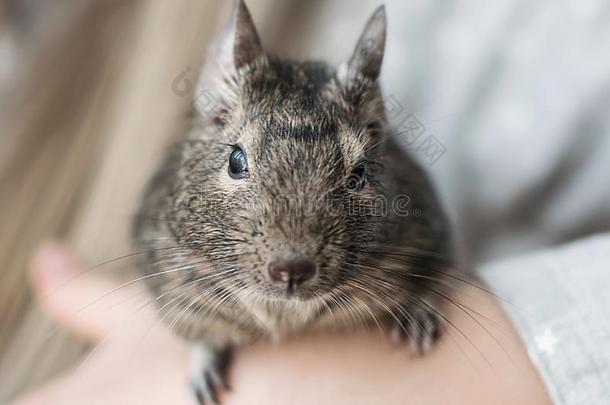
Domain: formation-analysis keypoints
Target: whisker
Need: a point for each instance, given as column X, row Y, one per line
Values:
column 463, row 309
column 397, row 258
column 420, row 302
column 106, row 262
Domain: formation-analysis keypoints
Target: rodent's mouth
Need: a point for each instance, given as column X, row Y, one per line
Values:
column 274, row 294
column 291, row 295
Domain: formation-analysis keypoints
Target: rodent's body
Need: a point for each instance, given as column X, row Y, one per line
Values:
column 291, row 207
column 421, row 235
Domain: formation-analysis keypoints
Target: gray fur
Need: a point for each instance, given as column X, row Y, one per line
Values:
column 304, row 129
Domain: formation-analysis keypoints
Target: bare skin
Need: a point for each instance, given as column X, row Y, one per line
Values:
column 136, row 361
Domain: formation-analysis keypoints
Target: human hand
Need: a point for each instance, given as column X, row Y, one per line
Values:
column 137, row 361
column 134, row 360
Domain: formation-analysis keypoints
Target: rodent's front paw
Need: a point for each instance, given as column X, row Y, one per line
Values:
column 420, row 326
column 208, row 373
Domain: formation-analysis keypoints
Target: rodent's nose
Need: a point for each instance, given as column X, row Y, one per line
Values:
column 294, row 272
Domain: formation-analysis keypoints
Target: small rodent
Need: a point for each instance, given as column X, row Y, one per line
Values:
column 281, row 211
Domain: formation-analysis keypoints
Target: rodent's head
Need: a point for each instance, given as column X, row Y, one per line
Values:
column 283, row 177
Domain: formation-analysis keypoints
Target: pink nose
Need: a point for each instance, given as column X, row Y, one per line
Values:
column 293, row 272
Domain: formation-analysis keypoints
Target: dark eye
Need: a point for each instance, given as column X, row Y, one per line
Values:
column 356, row 179
column 238, row 164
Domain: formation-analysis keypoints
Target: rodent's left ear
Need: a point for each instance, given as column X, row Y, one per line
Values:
column 246, row 42
column 368, row 55
column 237, row 46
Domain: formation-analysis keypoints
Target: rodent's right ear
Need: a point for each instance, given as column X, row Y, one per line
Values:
column 237, row 46
column 366, row 59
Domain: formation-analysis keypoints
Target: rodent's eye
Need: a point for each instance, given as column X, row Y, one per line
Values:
column 238, row 164
column 356, row 179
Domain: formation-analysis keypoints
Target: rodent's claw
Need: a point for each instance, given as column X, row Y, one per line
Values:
column 208, row 374
column 421, row 327
column 204, row 391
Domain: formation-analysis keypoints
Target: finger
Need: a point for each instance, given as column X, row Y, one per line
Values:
column 86, row 303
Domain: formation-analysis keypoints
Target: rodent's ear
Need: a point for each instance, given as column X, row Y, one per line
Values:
column 246, row 42
column 238, row 45
column 368, row 55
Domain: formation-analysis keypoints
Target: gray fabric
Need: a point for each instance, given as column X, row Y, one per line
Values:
column 558, row 300
column 518, row 92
